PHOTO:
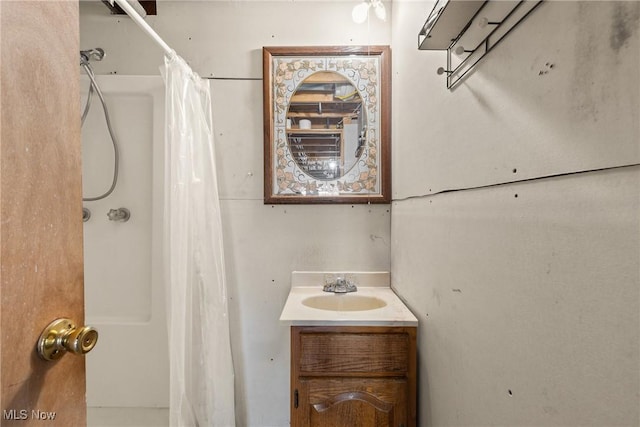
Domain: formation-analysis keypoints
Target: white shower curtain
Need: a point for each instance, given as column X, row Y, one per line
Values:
column 201, row 368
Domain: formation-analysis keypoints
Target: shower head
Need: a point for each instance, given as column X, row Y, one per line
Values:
column 91, row 54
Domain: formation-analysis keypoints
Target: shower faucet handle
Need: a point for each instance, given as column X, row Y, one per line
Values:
column 120, row 215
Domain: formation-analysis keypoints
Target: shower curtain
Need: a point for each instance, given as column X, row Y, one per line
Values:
column 201, row 368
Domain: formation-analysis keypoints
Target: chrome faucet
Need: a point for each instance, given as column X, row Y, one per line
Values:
column 340, row 286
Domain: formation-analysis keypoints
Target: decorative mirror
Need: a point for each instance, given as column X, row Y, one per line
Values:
column 327, row 132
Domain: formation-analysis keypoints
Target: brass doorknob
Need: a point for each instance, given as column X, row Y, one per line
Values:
column 62, row 336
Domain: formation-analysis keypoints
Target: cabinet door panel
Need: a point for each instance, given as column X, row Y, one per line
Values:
column 357, row 402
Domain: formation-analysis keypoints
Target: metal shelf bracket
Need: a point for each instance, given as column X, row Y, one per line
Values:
column 476, row 33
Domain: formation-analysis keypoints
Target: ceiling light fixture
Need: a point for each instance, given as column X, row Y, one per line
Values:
column 360, row 11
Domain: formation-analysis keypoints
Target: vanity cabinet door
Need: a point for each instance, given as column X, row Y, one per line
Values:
column 352, row 402
column 353, row 376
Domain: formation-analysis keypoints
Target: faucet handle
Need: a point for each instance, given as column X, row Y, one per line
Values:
column 351, row 281
column 328, row 287
column 350, row 284
column 330, row 281
column 120, row 214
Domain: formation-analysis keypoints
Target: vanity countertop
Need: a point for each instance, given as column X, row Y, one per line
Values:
column 372, row 286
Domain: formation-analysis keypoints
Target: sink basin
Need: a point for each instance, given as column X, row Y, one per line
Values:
column 374, row 304
column 344, row 302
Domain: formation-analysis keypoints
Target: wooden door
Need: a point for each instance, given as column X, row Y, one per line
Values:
column 41, row 260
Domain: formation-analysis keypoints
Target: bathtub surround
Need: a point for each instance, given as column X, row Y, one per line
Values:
column 527, row 305
column 125, row 258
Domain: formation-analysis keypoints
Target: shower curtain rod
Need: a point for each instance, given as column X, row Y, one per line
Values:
column 130, row 10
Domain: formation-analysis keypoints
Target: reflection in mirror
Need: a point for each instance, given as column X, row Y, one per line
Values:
column 325, row 125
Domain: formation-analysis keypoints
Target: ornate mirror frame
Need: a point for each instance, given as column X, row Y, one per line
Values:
column 368, row 69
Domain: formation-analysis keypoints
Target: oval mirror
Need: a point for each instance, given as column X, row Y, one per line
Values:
column 326, row 125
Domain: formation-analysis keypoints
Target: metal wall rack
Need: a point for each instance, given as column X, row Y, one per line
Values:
column 469, row 29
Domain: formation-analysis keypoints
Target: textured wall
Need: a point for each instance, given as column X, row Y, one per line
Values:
column 263, row 243
column 526, row 289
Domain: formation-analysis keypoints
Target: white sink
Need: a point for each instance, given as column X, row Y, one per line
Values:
column 344, row 302
column 373, row 304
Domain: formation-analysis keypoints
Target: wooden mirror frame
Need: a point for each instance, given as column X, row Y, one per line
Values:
column 284, row 181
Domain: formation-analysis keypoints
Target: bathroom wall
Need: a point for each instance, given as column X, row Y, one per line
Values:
column 264, row 243
column 524, row 275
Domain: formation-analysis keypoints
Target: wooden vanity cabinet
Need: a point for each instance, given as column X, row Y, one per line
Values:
column 345, row 376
